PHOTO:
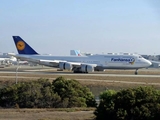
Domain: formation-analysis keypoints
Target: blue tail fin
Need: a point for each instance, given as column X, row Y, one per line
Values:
column 23, row 47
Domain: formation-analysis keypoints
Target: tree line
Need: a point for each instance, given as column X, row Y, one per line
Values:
column 61, row 93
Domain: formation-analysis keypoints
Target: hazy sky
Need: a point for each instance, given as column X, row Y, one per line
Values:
column 57, row 26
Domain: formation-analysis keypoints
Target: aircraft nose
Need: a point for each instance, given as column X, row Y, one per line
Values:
column 149, row 63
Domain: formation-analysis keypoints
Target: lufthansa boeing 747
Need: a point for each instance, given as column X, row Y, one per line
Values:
column 81, row 64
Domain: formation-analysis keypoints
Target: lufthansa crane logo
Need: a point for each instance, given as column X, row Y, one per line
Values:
column 132, row 61
column 20, row 45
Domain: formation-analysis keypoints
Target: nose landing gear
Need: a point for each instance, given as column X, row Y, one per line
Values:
column 136, row 72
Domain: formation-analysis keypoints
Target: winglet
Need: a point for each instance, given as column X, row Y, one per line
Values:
column 23, row 47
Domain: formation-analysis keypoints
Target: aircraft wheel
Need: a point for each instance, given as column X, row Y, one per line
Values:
column 136, row 72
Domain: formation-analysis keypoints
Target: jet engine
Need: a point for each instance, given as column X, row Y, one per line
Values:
column 65, row 66
column 87, row 68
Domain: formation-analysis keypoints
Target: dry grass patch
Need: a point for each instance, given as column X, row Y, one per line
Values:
column 47, row 114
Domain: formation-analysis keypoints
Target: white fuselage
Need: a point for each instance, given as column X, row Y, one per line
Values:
column 104, row 61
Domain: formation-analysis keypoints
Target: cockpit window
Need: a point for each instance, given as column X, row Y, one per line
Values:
column 140, row 56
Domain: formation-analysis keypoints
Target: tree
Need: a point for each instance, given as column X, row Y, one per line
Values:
column 72, row 93
column 44, row 94
column 142, row 103
column 35, row 94
column 105, row 110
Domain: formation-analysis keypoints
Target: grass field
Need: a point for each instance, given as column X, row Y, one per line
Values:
column 47, row 114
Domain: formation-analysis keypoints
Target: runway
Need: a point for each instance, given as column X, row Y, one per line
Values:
column 98, row 81
column 39, row 70
column 79, row 74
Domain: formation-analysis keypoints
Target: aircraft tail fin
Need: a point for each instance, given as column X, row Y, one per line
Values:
column 75, row 52
column 23, row 47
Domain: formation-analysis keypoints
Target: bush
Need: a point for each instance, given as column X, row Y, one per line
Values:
column 141, row 103
column 72, row 93
column 36, row 94
column 43, row 94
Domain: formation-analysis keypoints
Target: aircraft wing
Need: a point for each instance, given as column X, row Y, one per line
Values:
column 75, row 64
column 66, row 65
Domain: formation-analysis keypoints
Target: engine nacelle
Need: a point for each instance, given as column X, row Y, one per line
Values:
column 65, row 66
column 87, row 68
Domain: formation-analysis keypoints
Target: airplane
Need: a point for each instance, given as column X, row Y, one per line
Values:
column 6, row 60
column 81, row 64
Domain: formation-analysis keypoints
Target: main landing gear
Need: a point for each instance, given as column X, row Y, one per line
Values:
column 136, row 72
column 79, row 72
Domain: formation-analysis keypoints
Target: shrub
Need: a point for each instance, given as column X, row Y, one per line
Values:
column 72, row 93
column 35, row 94
column 142, row 103
column 43, row 94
